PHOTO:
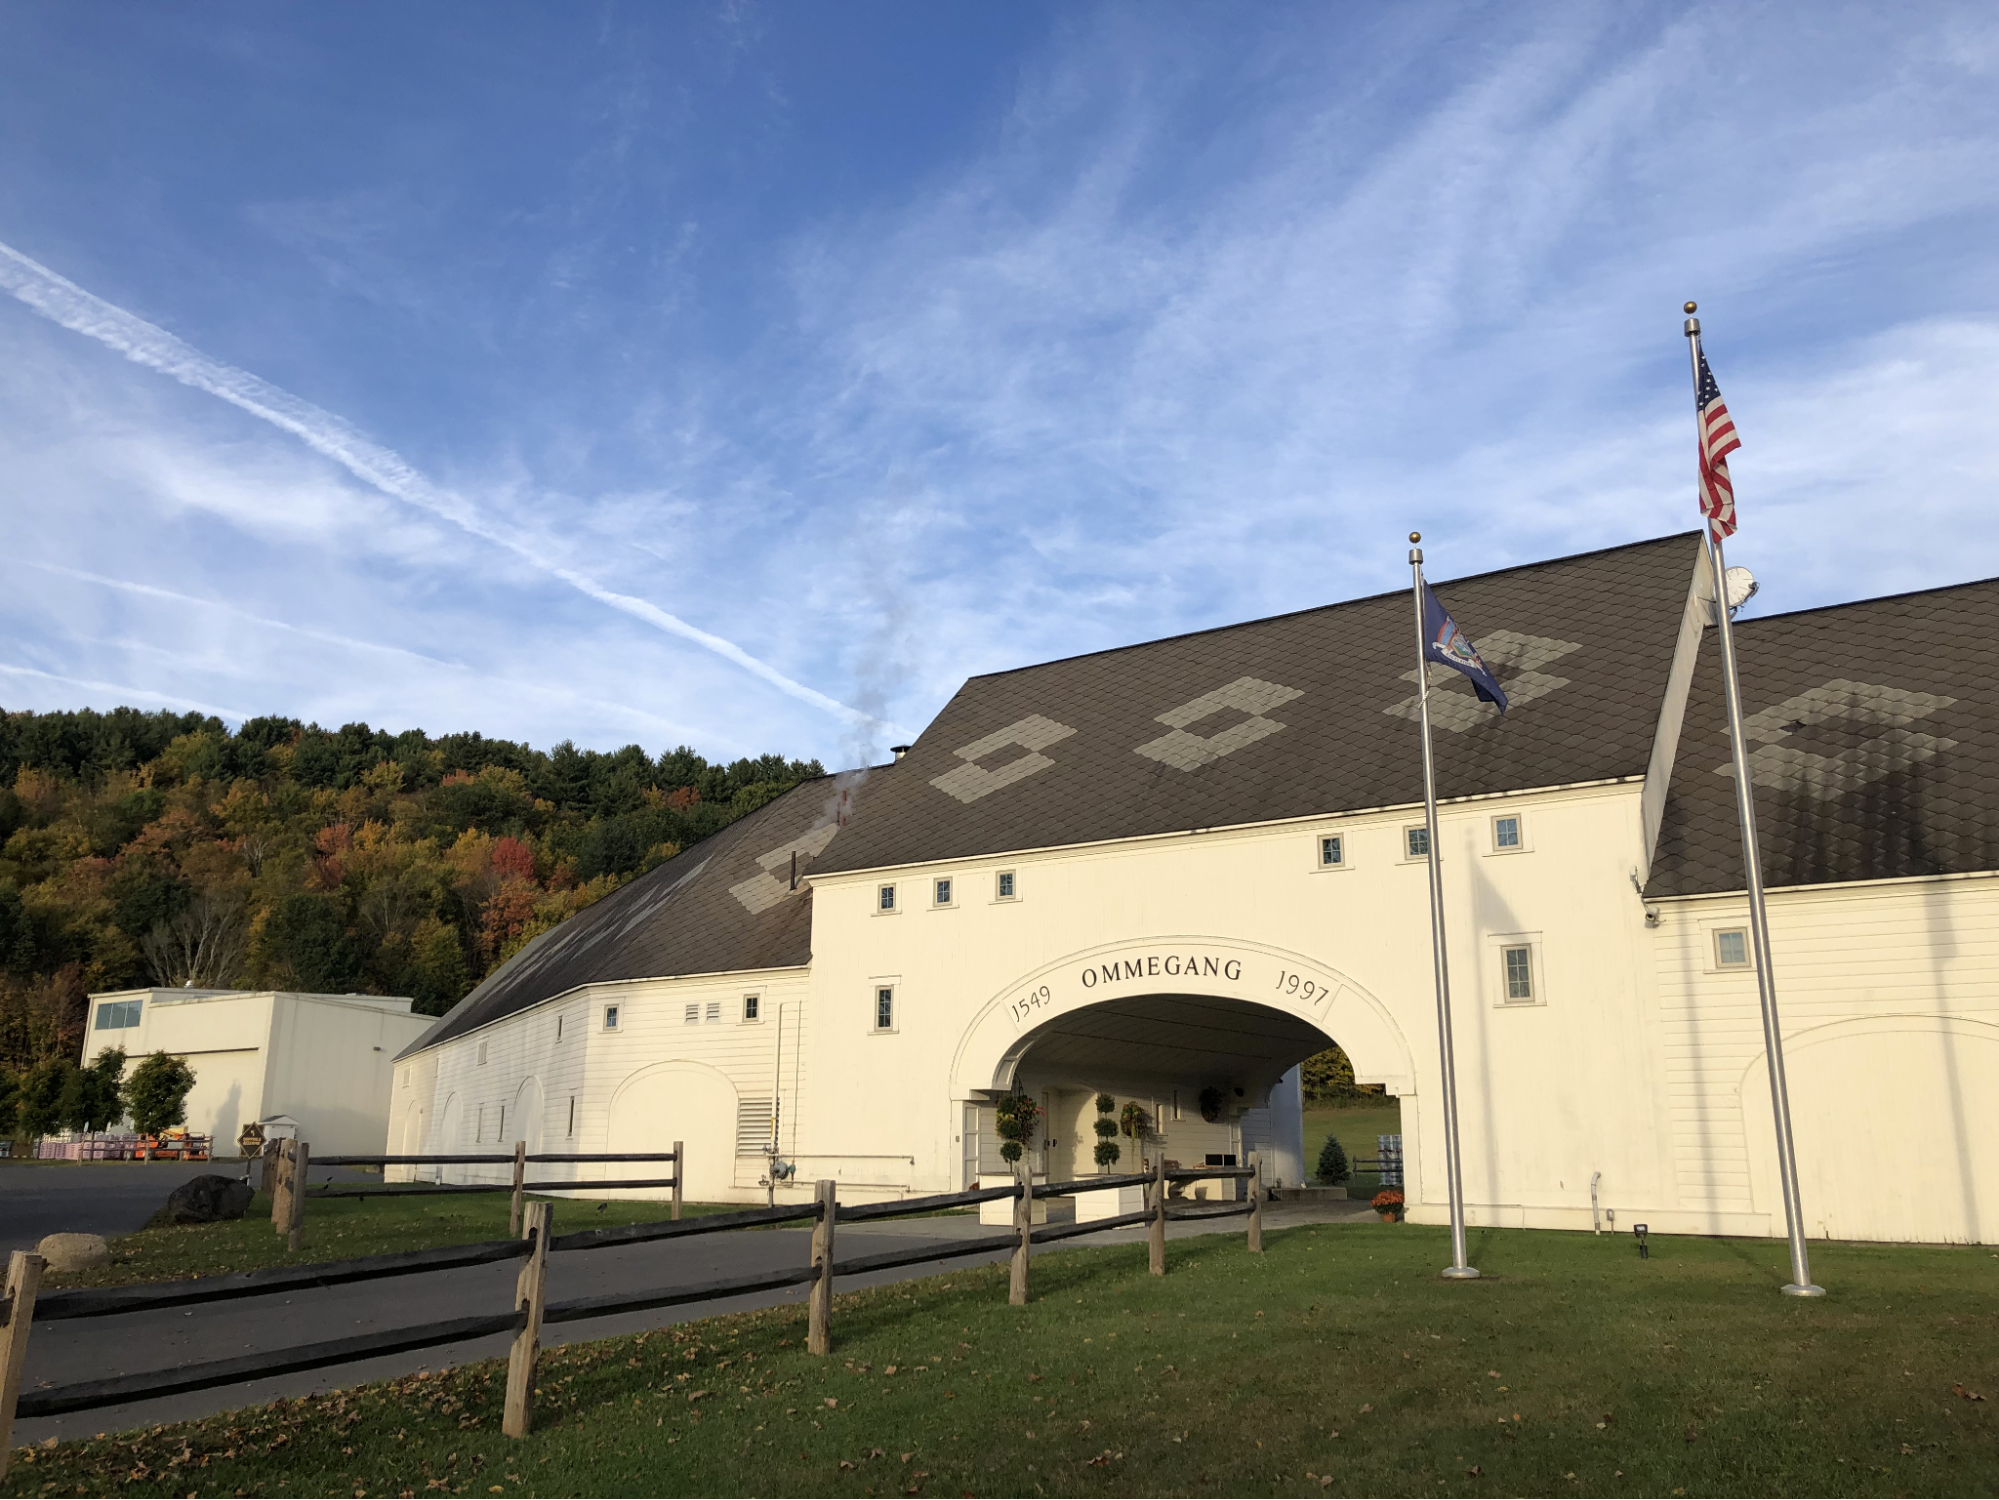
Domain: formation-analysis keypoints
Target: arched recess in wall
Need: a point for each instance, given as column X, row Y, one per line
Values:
column 1269, row 978
column 410, row 1143
column 450, row 1127
column 678, row 1101
column 526, row 1114
column 1896, row 1120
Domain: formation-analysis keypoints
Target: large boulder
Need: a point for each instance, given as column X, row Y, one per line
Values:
column 208, row 1199
column 74, row 1252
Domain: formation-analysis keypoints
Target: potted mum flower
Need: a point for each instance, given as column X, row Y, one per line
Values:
column 1388, row 1203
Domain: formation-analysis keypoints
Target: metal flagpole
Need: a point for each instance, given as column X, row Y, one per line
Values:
column 1800, row 1284
column 1458, row 1269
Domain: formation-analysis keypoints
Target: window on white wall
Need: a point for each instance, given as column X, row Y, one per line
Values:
column 480, row 1133
column 117, row 1015
column 572, row 1115
column 1416, row 842
column 1518, row 960
column 610, row 1018
column 558, row 1028
column 1508, row 837
column 884, row 1007
column 941, row 891
column 753, row 1007
column 1731, row 948
column 885, row 899
column 1004, row 888
column 1332, row 851
column 482, row 1054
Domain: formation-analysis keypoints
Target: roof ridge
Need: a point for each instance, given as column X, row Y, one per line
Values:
column 1819, row 609
column 1314, row 609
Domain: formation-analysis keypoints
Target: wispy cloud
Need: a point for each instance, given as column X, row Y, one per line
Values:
column 69, row 305
column 121, row 693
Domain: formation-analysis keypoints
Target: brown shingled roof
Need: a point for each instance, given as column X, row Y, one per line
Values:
column 1874, row 733
column 1288, row 717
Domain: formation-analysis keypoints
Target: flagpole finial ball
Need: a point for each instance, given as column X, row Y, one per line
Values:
column 1692, row 308
column 1415, row 537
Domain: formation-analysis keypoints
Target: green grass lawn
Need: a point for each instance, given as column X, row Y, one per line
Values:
column 340, row 1228
column 1336, row 1363
column 1356, row 1125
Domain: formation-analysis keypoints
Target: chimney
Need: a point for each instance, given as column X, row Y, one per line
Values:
column 899, row 751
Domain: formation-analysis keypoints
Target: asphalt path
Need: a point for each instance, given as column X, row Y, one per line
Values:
column 97, row 1348
column 96, row 1197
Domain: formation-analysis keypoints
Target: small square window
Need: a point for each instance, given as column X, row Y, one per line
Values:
column 943, row 891
column 752, row 1007
column 885, row 1007
column 714, row 1010
column 885, row 900
column 1332, row 851
column 610, row 1018
column 1005, row 885
column 1416, row 842
column 1519, row 973
column 692, row 1015
column 1506, row 833
column 1731, row 948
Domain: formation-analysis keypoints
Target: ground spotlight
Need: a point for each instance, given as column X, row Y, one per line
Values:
column 1644, row 1250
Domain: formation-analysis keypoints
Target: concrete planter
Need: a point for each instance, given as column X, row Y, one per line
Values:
column 1108, row 1203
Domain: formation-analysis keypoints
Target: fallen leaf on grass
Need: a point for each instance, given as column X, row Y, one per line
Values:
column 1474, row 1472
column 696, row 1395
column 1367, row 1406
column 1105, row 1457
column 1969, row 1395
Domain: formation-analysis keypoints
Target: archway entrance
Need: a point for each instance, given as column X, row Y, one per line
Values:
column 1202, row 1079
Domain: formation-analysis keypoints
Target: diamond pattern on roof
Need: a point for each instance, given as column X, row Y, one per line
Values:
column 971, row 781
column 766, row 888
column 1190, row 752
column 1875, row 734
column 1455, row 706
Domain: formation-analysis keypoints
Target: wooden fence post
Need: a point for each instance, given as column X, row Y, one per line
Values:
column 679, row 1175
column 1256, row 1204
column 280, row 1183
column 1156, row 1231
column 530, row 1292
column 295, row 1201
column 1023, row 1223
column 819, row 1324
column 24, row 1279
column 267, row 1169
column 520, row 1176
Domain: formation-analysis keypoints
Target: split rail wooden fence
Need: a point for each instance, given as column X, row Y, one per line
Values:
column 531, row 1310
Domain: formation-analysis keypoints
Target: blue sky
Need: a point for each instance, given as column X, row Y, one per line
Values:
column 748, row 375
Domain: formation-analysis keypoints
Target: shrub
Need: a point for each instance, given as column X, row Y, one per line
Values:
column 157, row 1093
column 1333, row 1165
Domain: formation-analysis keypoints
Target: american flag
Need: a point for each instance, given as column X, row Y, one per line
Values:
column 1718, row 440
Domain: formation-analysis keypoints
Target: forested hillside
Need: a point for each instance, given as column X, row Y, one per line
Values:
column 160, row 848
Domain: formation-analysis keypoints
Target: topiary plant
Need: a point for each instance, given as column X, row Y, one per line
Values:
column 1015, row 1116
column 1107, row 1152
column 1333, row 1165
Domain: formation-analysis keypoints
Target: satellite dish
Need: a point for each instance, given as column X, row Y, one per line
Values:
column 1739, row 585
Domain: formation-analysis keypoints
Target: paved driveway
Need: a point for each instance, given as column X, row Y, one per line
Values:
column 95, row 1348
column 39, row 1198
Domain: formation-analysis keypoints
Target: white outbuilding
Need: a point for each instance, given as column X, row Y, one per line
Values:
column 323, row 1060
column 1170, row 872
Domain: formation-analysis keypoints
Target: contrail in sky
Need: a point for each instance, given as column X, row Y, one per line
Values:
column 61, row 300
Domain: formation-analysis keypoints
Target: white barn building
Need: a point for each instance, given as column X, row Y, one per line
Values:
column 322, row 1061
column 1172, row 871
